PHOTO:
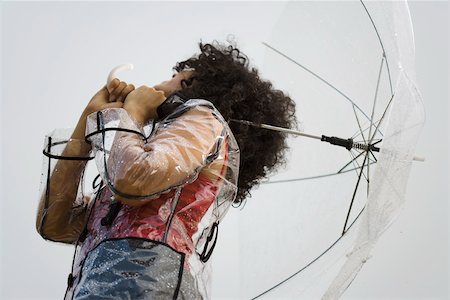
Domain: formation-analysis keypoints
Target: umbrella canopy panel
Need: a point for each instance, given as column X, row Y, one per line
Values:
column 342, row 63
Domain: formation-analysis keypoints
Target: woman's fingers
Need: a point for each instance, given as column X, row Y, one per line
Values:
column 117, row 91
column 128, row 89
column 113, row 84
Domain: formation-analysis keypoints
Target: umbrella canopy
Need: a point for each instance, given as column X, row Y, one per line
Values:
column 349, row 66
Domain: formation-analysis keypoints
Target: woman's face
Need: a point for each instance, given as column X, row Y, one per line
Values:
column 174, row 84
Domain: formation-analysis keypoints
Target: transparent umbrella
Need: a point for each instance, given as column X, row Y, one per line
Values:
column 350, row 68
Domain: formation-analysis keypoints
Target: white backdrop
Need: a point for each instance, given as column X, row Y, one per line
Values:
column 55, row 56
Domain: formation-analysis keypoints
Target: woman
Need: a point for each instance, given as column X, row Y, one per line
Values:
column 172, row 160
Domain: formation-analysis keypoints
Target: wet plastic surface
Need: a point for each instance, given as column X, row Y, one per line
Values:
column 171, row 187
column 130, row 268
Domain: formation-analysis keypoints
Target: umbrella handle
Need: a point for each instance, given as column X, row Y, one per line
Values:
column 118, row 69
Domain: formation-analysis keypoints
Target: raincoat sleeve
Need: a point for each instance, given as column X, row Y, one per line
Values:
column 174, row 153
column 62, row 207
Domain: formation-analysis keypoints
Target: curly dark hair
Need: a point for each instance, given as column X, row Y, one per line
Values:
column 223, row 77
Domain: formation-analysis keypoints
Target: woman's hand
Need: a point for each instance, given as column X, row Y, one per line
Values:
column 143, row 102
column 109, row 96
column 101, row 100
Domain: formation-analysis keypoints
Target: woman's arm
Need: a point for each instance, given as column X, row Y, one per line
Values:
column 175, row 151
column 57, row 219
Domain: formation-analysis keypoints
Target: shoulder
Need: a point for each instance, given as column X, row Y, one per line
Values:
column 196, row 105
column 200, row 112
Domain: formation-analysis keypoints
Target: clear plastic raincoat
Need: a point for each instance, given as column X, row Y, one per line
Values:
column 150, row 225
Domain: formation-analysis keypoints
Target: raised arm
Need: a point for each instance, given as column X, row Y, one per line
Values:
column 62, row 213
column 56, row 218
column 176, row 151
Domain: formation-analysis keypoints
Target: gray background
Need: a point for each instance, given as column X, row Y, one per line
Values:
column 54, row 55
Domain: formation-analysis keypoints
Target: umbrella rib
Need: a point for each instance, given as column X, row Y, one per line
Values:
column 368, row 173
column 356, row 168
column 359, row 167
column 376, row 97
column 381, row 44
column 318, row 77
column 350, row 162
column 370, row 161
column 307, row 178
column 365, row 129
column 381, row 119
column 373, row 156
column 378, row 140
column 312, row 261
column 354, row 195
column 359, row 124
column 359, row 151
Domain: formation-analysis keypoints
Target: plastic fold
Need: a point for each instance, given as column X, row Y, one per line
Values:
column 137, row 167
column 62, row 207
column 165, row 186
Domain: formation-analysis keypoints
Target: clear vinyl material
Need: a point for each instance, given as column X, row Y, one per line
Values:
column 350, row 68
column 151, row 225
column 62, row 206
